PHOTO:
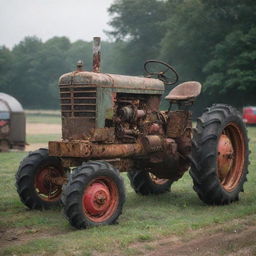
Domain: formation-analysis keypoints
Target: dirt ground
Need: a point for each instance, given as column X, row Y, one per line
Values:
column 219, row 240
column 35, row 146
column 236, row 238
column 38, row 128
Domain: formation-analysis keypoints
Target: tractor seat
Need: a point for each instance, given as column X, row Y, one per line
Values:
column 184, row 91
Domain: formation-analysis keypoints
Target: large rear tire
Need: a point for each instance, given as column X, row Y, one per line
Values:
column 219, row 155
column 94, row 195
column 37, row 180
column 146, row 183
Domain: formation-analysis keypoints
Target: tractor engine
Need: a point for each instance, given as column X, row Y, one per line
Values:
column 166, row 147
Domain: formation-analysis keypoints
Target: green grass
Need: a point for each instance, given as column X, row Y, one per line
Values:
column 42, row 138
column 46, row 117
column 143, row 219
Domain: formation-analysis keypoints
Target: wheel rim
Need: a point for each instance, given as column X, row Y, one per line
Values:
column 156, row 180
column 100, row 199
column 46, row 185
column 231, row 151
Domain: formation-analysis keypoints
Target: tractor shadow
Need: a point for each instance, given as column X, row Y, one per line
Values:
column 177, row 199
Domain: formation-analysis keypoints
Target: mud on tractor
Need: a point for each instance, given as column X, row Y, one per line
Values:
column 112, row 124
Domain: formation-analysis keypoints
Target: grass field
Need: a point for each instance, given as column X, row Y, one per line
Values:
column 46, row 117
column 144, row 219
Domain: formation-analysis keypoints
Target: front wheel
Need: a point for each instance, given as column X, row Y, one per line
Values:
column 219, row 155
column 39, row 180
column 94, row 195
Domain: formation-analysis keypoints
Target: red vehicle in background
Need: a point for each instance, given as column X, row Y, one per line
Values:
column 249, row 115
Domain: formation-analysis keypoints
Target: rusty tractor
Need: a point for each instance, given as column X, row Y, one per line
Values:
column 111, row 124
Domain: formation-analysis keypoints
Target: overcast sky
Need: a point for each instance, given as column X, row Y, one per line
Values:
column 76, row 19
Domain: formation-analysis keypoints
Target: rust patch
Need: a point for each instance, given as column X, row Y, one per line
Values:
column 73, row 148
column 177, row 122
column 106, row 135
column 152, row 143
column 86, row 149
column 154, row 103
column 77, row 128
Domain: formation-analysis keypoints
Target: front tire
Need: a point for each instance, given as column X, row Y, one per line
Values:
column 36, row 180
column 94, row 195
column 219, row 155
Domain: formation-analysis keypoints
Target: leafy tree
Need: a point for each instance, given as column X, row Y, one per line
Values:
column 79, row 50
column 6, row 63
column 232, row 69
column 24, row 84
column 140, row 25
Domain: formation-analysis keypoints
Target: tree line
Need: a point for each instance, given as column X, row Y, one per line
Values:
column 30, row 71
column 210, row 41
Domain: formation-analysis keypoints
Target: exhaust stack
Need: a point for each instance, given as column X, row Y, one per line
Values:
column 96, row 55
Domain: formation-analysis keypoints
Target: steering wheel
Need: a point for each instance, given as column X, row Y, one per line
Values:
column 161, row 74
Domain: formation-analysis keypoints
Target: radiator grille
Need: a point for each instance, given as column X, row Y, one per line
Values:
column 78, row 101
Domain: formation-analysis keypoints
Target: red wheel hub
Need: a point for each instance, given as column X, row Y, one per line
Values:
column 97, row 199
column 100, row 199
column 225, row 155
column 231, row 156
column 43, row 181
column 45, row 186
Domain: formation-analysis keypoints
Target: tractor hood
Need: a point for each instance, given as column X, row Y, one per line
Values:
column 112, row 81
